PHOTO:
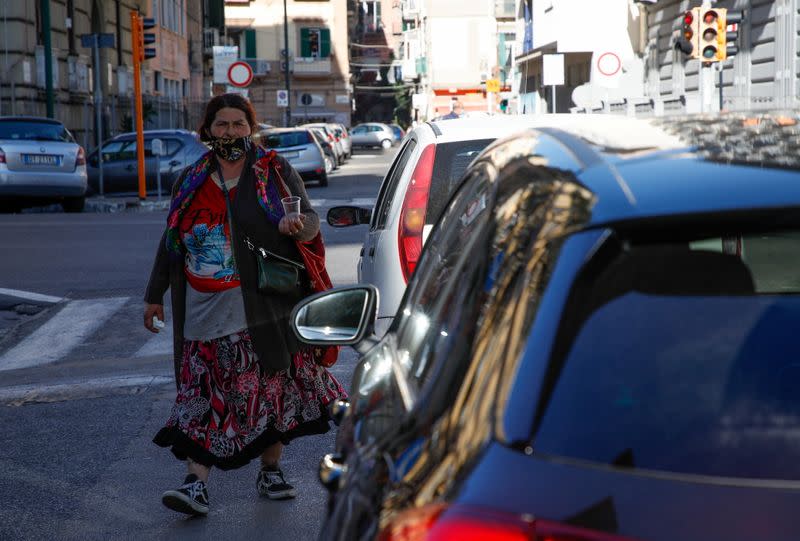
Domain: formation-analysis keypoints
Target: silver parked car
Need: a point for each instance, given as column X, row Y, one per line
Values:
column 372, row 134
column 333, row 139
column 180, row 149
column 426, row 170
column 40, row 162
column 300, row 148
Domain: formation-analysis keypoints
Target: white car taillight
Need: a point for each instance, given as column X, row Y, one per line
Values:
column 81, row 158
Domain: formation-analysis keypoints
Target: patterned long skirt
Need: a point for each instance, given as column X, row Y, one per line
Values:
column 227, row 413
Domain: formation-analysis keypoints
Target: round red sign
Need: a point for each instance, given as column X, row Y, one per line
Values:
column 608, row 64
column 240, row 74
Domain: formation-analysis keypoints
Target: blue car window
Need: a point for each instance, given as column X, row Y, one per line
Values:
column 683, row 342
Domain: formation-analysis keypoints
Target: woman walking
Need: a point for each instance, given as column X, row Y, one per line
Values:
column 246, row 386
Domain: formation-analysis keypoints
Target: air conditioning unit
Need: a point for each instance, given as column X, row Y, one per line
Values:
column 210, row 39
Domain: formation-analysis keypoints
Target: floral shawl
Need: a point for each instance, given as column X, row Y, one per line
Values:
column 268, row 193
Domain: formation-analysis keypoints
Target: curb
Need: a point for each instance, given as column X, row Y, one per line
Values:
column 108, row 205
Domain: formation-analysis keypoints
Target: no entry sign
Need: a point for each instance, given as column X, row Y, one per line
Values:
column 240, row 74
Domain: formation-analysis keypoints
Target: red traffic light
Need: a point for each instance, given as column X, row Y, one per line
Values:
column 710, row 17
column 688, row 18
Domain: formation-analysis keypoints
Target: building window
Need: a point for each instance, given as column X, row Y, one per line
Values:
column 315, row 42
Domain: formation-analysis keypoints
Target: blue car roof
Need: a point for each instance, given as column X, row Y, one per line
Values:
column 717, row 173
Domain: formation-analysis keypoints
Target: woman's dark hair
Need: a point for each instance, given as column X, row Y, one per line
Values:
column 236, row 101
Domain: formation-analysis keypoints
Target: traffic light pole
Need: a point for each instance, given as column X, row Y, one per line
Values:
column 137, row 93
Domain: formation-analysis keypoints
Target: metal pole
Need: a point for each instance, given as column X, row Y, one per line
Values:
column 48, row 57
column 158, row 175
column 6, row 72
column 554, row 99
column 137, row 94
column 288, row 118
column 98, row 104
column 719, row 68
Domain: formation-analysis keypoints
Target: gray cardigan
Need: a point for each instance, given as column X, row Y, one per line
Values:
column 267, row 317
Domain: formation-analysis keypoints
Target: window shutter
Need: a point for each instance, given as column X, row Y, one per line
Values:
column 305, row 45
column 325, row 45
column 250, row 43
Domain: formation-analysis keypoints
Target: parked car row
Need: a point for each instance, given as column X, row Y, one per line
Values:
column 596, row 341
column 314, row 150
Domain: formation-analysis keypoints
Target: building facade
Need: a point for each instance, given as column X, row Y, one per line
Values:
column 170, row 81
column 451, row 48
column 630, row 64
column 317, row 56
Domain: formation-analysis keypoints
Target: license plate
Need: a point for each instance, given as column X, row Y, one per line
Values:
column 290, row 155
column 41, row 159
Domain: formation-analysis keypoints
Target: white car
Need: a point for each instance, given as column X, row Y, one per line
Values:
column 427, row 168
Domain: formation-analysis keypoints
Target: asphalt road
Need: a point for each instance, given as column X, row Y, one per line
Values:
column 83, row 387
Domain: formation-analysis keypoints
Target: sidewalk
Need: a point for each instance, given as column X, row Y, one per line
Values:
column 125, row 203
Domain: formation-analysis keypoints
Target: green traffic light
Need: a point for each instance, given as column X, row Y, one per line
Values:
column 710, row 52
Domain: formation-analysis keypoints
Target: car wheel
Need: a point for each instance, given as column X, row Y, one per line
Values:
column 386, row 144
column 328, row 164
column 323, row 180
column 73, row 204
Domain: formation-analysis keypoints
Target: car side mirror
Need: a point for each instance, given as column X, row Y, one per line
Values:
column 343, row 316
column 345, row 216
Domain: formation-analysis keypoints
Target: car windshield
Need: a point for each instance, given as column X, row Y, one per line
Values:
column 682, row 358
column 34, row 131
column 287, row 139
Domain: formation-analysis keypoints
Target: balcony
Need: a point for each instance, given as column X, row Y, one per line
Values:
column 311, row 66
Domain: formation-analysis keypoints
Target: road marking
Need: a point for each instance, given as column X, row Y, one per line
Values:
column 93, row 388
column 363, row 202
column 65, row 331
column 30, row 295
column 358, row 202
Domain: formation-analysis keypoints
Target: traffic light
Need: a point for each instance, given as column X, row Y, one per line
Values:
column 712, row 35
column 732, row 21
column 146, row 23
column 688, row 41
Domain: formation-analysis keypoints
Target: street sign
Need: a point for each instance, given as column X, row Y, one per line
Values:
column 553, row 69
column 306, row 99
column 492, row 85
column 104, row 40
column 240, row 74
column 224, row 56
column 283, row 98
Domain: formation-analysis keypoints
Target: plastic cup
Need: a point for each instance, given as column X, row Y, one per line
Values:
column 291, row 205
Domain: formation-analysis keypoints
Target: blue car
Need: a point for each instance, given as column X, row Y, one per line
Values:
column 598, row 344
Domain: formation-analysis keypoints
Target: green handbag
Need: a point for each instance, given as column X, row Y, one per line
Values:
column 276, row 274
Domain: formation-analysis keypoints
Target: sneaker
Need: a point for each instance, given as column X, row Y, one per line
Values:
column 191, row 498
column 271, row 483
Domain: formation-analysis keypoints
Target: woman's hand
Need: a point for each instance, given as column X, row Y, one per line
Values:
column 291, row 224
column 151, row 310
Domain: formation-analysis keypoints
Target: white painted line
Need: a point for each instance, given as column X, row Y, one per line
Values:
column 21, row 394
column 66, row 330
column 30, row 295
column 362, row 202
column 161, row 343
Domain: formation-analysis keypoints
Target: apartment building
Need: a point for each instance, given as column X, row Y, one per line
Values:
column 167, row 78
column 620, row 57
column 317, row 55
column 451, row 47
